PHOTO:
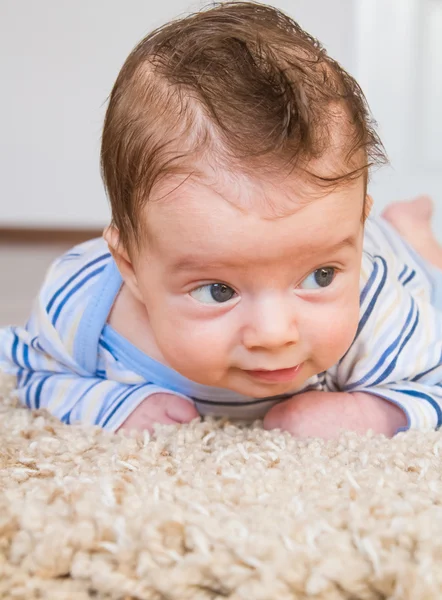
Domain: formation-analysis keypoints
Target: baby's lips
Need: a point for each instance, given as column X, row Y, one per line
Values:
column 277, row 376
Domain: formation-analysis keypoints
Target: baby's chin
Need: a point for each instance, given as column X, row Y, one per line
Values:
column 267, row 390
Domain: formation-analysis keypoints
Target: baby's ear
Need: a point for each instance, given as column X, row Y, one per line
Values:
column 111, row 236
column 368, row 205
column 122, row 259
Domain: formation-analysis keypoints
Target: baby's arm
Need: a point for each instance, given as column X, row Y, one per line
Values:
column 390, row 378
column 73, row 396
column 326, row 414
column 49, row 374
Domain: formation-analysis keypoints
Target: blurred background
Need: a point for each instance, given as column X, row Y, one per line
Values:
column 59, row 60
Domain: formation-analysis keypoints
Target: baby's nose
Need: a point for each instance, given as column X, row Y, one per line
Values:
column 272, row 325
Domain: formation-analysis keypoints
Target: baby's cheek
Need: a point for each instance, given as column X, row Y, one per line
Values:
column 194, row 349
column 344, row 334
column 334, row 334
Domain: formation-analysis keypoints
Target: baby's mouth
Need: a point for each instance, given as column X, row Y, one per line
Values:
column 276, row 376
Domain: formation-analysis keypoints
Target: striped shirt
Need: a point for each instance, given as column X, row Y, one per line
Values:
column 68, row 360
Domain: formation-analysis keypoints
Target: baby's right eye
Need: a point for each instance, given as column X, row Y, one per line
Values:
column 320, row 278
column 213, row 293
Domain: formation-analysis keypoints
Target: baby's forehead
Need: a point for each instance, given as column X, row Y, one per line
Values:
column 203, row 229
column 251, row 221
column 270, row 196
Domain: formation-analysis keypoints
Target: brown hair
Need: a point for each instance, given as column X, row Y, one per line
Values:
column 240, row 82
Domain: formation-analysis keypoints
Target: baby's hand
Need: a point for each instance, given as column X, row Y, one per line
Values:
column 326, row 414
column 163, row 408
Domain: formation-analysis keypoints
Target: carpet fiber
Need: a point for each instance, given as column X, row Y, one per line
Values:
column 213, row 510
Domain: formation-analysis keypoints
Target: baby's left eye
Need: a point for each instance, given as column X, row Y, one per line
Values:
column 320, row 278
column 213, row 293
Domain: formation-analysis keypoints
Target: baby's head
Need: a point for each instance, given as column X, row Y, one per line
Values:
column 235, row 154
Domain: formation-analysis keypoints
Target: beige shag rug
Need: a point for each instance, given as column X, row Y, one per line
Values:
column 212, row 510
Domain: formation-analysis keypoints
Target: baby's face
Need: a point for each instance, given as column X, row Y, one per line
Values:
column 252, row 287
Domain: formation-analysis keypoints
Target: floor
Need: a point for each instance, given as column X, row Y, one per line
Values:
column 22, row 269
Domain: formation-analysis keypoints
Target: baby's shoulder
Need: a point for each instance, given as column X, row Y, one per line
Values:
column 387, row 255
column 67, row 291
column 80, row 261
column 82, row 255
column 70, row 277
column 380, row 239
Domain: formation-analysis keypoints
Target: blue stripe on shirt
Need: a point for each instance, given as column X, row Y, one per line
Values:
column 73, row 277
column 14, row 350
column 38, row 390
column 409, row 278
column 112, row 397
column 433, row 368
column 385, row 354
column 108, row 348
column 26, row 356
column 66, row 418
column 131, row 391
column 427, row 397
column 26, row 379
column 369, row 283
column 392, row 365
column 72, row 292
column 372, row 304
column 402, row 273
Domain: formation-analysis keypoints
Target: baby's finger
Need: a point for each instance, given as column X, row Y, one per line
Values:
column 181, row 410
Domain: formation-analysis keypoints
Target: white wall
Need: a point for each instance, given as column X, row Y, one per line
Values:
column 58, row 60
column 398, row 62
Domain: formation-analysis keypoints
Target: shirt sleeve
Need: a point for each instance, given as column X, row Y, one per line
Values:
column 69, row 396
column 397, row 351
column 40, row 355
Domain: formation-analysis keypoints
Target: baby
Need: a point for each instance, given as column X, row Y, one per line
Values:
column 241, row 275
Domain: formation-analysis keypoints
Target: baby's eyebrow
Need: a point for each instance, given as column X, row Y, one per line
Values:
column 348, row 242
column 194, row 262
